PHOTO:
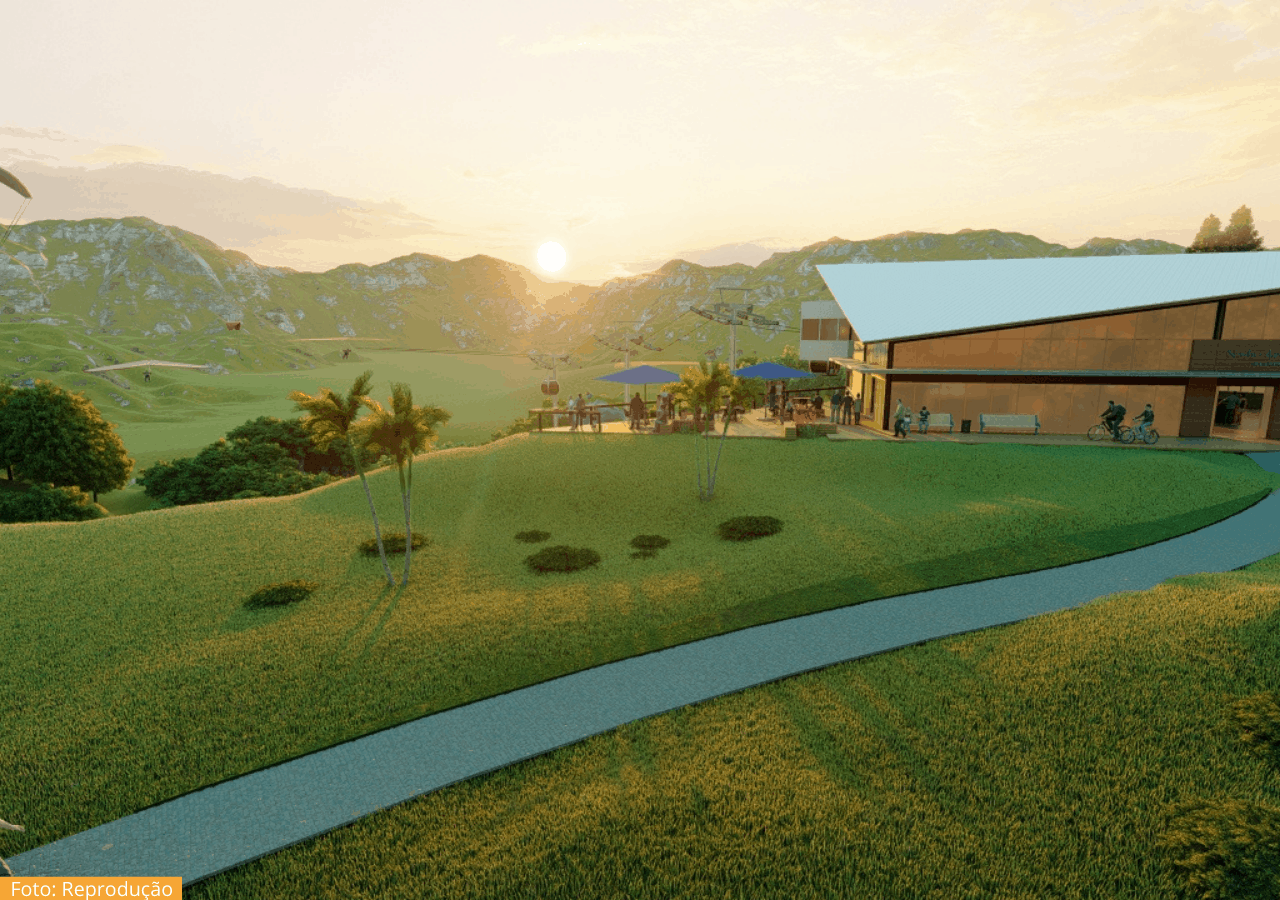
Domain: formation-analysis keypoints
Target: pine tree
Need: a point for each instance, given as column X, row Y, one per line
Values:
column 1209, row 237
column 1240, row 233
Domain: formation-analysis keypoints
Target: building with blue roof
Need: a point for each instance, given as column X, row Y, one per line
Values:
column 1057, row 338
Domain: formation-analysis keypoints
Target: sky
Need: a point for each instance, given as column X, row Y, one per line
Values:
column 311, row 134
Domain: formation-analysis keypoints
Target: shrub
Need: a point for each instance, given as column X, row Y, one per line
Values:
column 246, row 495
column 281, row 593
column 46, row 503
column 393, row 542
column 1259, row 721
column 748, row 528
column 533, row 537
column 562, row 559
column 1227, row 849
column 649, row 542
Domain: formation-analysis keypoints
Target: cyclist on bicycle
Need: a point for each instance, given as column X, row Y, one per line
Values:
column 1144, row 418
column 1113, row 418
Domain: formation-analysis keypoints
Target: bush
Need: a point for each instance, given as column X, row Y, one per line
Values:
column 393, row 542
column 562, row 559
column 1227, row 849
column 246, row 495
column 533, row 537
column 225, row 469
column 1259, row 721
column 46, row 503
column 281, row 593
column 748, row 528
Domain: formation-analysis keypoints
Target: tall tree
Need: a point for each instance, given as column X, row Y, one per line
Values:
column 1240, row 234
column 1209, row 237
column 402, row 431
column 51, row 435
column 330, row 419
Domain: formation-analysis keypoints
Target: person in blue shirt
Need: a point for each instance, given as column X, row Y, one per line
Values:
column 1144, row 420
column 924, row 420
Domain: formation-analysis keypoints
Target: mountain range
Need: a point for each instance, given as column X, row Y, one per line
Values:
column 144, row 290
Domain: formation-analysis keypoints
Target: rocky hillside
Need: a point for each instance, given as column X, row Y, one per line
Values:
column 166, row 293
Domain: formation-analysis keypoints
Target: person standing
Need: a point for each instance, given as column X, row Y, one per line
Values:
column 1241, row 405
column 1228, row 405
column 837, row 400
column 857, row 410
column 897, row 418
column 637, row 412
column 146, row 375
column 848, row 407
column 906, row 422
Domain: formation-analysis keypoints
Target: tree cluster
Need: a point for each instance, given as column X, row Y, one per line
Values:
column 265, row 457
column 1239, row 235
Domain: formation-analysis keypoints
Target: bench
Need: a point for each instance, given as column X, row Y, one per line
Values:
column 940, row 420
column 1007, row 421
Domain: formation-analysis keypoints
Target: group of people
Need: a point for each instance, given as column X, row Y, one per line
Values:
column 1113, row 418
column 902, row 420
column 846, row 407
column 844, row 404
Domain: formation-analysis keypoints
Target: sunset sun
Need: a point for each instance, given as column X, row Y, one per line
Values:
column 551, row 256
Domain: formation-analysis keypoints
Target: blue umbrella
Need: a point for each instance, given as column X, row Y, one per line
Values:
column 641, row 375
column 771, row 371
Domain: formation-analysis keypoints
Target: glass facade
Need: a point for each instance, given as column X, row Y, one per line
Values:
column 1150, row 341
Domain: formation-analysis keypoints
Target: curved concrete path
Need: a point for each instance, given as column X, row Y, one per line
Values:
column 209, row 831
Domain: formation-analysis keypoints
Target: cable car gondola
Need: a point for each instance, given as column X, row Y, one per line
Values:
column 551, row 387
column 233, row 326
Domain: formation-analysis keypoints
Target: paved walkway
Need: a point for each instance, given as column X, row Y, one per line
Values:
column 218, row 828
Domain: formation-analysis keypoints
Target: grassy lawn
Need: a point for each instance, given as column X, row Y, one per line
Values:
column 134, row 673
column 1040, row 759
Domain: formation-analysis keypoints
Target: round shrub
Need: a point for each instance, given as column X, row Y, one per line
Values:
column 562, row 559
column 533, row 537
column 46, row 503
column 281, row 593
column 649, row 542
column 748, row 528
column 393, row 542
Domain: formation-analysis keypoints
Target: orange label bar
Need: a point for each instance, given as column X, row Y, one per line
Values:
column 169, row 888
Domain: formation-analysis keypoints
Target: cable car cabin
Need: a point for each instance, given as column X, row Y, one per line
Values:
column 550, row 387
column 233, row 326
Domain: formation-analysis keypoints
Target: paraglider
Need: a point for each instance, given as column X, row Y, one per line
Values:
column 9, row 181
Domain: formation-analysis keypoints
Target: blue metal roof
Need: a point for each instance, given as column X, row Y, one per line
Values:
column 890, row 301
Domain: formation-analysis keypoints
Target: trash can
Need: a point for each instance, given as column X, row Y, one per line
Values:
column 965, row 425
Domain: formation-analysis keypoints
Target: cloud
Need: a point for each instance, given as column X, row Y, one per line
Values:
column 119, row 153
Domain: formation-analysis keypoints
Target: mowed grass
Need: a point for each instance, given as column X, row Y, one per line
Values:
column 1040, row 759
column 135, row 673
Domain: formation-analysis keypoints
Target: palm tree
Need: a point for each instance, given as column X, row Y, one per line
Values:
column 740, row 391
column 402, row 431
column 331, row 418
column 701, row 388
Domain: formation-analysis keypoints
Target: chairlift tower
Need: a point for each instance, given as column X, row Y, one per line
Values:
column 733, row 315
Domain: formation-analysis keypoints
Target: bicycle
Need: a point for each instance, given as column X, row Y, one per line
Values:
column 1102, row 430
column 1129, row 435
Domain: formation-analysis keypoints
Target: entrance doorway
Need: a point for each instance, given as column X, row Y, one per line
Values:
column 1242, row 411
